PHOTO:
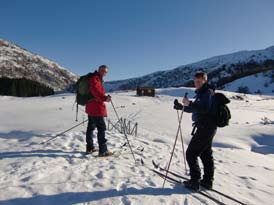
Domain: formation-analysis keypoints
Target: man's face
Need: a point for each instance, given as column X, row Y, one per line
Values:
column 199, row 82
column 103, row 71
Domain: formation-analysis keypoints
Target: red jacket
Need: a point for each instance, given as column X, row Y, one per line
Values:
column 96, row 107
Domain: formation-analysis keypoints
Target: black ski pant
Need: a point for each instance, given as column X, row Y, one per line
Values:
column 99, row 123
column 201, row 146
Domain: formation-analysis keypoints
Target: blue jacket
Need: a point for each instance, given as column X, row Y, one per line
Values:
column 201, row 107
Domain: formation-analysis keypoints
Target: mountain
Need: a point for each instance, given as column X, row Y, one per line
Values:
column 17, row 62
column 222, row 71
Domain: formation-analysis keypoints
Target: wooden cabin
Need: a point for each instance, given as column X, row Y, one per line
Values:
column 146, row 91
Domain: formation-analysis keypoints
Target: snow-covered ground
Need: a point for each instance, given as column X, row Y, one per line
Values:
column 59, row 173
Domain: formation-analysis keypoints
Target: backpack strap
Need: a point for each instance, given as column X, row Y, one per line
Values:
column 212, row 94
column 76, row 112
column 194, row 129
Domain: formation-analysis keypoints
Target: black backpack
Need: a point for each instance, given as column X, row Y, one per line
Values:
column 221, row 111
column 83, row 94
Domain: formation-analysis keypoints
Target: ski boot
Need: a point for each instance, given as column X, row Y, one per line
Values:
column 192, row 184
column 105, row 154
column 207, row 184
column 90, row 150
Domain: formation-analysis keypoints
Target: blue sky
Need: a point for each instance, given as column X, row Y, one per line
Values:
column 136, row 37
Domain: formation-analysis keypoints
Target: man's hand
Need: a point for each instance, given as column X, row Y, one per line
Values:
column 186, row 101
column 108, row 98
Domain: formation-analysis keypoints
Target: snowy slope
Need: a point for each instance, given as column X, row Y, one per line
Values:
column 221, row 70
column 257, row 83
column 258, row 56
column 59, row 173
column 16, row 62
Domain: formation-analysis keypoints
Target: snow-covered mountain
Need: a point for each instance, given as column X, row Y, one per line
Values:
column 16, row 62
column 222, row 70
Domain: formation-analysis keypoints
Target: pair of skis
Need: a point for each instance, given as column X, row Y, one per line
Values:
column 203, row 193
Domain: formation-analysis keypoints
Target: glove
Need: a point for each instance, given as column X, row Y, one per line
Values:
column 108, row 98
column 177, row 105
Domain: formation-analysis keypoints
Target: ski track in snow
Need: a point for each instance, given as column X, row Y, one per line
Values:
column 60, row 173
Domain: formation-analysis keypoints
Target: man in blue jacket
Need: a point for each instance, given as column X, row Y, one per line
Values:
column 204, row 129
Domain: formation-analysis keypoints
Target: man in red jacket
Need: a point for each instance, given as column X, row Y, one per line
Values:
column 96, row 110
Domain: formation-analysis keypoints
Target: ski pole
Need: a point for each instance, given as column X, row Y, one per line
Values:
column 124, row 130
column 64, row 132
column 115, row 110
column 118, row 118
column 129, row 144
column 174, row 145
column 182, row 140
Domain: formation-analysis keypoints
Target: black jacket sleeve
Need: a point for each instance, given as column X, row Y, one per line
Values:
column 188, row 109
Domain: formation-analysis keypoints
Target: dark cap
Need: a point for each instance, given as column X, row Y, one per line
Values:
column 201, row 74
column 102, row 66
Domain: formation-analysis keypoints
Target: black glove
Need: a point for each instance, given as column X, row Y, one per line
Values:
column 177, row 105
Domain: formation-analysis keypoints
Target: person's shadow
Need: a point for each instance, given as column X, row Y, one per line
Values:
column 42, row 153
column 21, row 135
column 69, row 198
column 85, row 197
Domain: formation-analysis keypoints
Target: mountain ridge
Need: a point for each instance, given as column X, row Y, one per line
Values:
column 18, row 62
column 221, row 69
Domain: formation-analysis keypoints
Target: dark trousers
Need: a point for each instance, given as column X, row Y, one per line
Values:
column 99, row 123
column 201, row 146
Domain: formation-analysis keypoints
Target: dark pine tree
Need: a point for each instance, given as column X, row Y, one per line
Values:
column 22, row 87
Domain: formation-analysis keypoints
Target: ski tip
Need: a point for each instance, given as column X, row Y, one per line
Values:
column 155, row 165
column 142, row 161
column 43, row 143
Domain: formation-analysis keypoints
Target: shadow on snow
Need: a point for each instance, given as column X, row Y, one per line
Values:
column 84, row 197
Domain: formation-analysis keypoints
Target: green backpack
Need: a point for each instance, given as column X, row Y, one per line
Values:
column 83, row 94
column 82, row 90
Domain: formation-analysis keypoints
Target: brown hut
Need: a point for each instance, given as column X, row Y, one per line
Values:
column 146, row 91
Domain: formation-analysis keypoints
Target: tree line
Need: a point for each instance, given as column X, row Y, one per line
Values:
column 22, row 87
